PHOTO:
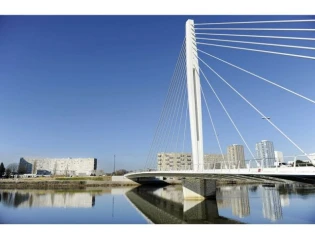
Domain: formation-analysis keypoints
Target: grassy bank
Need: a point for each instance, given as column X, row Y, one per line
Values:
column 63, row 182
column 98, row 178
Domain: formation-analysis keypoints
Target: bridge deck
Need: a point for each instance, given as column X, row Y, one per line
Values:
column 307, row 174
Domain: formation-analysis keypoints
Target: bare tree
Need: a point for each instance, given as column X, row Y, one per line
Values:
column 22, row 169
column 8, row 172
column 13, row 167
column 120, row 172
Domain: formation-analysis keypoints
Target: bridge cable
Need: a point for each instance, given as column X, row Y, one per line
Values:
column 254, row 107
column 214, row 130
column 180, row 99
column 164, row 106
column 170, row 105
column 256, row 50
column 169, row 93
column 265, row 44
column 181, row 87
column 257, row 36
column 256, row 22
column 260, row 29
column 227, row 113
column 259, row 77
column 180, row 121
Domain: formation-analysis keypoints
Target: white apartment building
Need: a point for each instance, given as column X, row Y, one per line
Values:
column 279, row 156
column 59, row 166
column 184, row 161
column 265, row 151
column 236, row 156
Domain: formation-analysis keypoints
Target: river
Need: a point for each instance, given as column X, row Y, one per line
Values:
column 235, row 204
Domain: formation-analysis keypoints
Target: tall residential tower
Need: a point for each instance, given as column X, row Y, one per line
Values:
column 235, row 156
column 265, row 151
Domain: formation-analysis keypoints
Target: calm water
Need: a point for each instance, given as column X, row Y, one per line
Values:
column 282, row 204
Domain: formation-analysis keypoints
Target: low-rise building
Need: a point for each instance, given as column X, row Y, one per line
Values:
column 279, row 156
column 184, row 161
column 59, row 166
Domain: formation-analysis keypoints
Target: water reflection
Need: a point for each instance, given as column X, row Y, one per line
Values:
column 39, row 198
column 272, row 209
column 285, row 200
column 233, row 204
column 167, row 205
column 235, row 197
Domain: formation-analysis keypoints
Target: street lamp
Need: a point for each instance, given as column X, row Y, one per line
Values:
column 114, row 163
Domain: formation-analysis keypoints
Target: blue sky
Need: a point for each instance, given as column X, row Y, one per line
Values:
column 94, row 86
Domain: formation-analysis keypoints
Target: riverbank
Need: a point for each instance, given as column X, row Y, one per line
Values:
column 55, row 184
column 63, row 183
column 86, row 182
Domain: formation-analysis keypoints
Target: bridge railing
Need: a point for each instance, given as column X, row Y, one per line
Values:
column 253, row 165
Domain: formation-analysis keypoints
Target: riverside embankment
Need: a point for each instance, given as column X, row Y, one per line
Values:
column 85, row 182
column 64, row 183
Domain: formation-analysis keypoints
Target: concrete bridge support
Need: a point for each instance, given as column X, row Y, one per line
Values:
column 199, row 189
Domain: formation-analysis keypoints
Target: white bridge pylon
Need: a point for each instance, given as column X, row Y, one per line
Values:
column 194, row 97
column 186, row 86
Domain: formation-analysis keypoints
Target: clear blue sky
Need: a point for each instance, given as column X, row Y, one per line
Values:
column 94, row 86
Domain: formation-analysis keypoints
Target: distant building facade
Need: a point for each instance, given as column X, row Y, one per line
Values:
column 59, row 166
column 184, row 161
column 265, row 151
column 279, row 156
column 312, row 156
column 236, row 156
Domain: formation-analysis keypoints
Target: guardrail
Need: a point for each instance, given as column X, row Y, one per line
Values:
column 253, row 165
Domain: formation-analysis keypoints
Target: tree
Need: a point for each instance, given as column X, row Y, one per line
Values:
column 22, row 169
column 13, row 167
column 99, row 172
column 2, row 169
column 302, row 163
column 120, row 172
column 8, row 172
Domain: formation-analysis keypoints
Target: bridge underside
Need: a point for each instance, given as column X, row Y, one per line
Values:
column 306, row 175
column 202, row 184
column 164, row 211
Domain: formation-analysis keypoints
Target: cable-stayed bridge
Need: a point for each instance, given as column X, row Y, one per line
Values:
column 187, row 96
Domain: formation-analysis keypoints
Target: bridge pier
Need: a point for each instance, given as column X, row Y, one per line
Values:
column 194, row 189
